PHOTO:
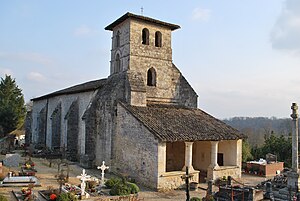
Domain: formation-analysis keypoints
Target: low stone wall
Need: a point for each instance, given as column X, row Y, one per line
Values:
column 220, row 172
column 173, row 180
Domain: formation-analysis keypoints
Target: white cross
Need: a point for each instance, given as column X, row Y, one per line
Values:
column 103, row 167
column 83, row 177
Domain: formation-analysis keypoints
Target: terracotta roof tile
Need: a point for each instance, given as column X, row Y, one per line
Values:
column 171, row 123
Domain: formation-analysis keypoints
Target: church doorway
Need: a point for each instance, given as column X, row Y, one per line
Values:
column 175, row 156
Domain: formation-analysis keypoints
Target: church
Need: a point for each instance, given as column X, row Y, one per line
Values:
column 142, row 120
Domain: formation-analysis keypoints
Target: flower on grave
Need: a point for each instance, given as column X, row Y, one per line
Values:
column 53, row 196
column 27, row 165
column 24, row 190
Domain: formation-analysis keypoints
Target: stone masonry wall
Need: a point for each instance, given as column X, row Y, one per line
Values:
column 28, row 125
column 42, row 127
column 56, row 127
column 72, row 118
column 136, row 150
column 35, row 115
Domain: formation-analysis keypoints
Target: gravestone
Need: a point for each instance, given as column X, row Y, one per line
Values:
column 12, row 160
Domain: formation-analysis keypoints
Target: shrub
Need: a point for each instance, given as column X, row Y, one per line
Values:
column 3, row 198
column 112, row 182
column 67, row 197
column 120, row 189
column 134, row 188
column 195, row 199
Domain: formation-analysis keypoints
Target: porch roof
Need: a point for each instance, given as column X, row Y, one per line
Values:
column 173, row 123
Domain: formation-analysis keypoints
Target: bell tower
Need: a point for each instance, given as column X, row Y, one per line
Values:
column 141, row 47
column 140, row 43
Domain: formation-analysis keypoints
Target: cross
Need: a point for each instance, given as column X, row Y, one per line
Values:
column 103, row 167
column 83, row 177
column 142, row 10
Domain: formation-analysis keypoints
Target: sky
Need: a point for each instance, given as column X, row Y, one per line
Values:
column 241, row 57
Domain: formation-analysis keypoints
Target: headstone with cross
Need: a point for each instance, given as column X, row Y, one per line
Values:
column 103, row 167
column 83, row 177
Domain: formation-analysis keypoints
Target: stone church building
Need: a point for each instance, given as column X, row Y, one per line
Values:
column 142, row 120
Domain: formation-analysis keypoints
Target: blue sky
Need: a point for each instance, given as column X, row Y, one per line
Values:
column 241, row 57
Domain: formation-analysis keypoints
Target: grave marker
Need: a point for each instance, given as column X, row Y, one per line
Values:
column 103, row 167
column 83, row 177
column 12, row 160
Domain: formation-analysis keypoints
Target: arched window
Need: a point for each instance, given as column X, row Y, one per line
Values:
column 117, row 64
column 151, row 77
column 158, row 39
column 145, row 36
column 118, row 39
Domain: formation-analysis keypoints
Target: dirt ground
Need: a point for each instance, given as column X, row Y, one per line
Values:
column 46, row 176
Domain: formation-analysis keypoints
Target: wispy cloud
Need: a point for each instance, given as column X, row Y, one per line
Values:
column 201, row 14
column 5, row 71
column 26, row 56
column 35, row 76
column 286, row 31
column 83, row 30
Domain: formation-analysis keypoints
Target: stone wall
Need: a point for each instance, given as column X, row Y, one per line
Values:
column 72, row 118
column 136, row 150
column 28, row 125
column 42, row 121
column 56, row 128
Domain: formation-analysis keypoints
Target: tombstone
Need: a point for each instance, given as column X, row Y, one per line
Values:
column 83, row 177
column 103, row 167
column 12, row 160
column 270, row 158
column 269, row 193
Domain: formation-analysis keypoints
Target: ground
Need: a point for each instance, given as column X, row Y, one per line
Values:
column 46, row 175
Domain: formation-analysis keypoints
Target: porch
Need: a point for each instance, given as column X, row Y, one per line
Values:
column 216, row 158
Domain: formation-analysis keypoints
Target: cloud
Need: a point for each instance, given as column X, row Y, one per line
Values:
column 5, row 71
column 285, row 33
column 83, row 30
column 26, row 56
column 35, row 76
column 201, row 14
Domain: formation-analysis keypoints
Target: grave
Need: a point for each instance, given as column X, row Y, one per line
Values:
column 20, row 181
column 11, row 160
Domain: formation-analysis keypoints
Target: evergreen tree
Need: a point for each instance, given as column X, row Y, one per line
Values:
column 12, row 107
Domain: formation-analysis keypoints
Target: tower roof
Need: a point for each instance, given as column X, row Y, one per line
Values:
column 142, row 18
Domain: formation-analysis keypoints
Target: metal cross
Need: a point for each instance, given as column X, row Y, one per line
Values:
column 142, row 10
column 103, row 167
column 83, row 177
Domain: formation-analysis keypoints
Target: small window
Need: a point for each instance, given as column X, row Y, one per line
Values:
column 151, row 77
column 145, row 36
column 117, row 64
column 118, row 39
column 158, row 39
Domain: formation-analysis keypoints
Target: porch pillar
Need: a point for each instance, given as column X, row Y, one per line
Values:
column 188, row 156
column 214, row 154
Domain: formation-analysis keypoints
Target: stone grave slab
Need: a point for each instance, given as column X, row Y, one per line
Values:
column 20, row 181
column 11, row 160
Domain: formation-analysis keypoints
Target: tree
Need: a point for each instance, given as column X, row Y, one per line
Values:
column 246, row 152
column 278, row 145
column 12, row 108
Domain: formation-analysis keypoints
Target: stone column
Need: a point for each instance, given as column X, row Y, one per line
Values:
column 214, row 154
column 294, row 115
column 188, row 156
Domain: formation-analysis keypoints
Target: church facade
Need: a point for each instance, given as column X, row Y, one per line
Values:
column 142, row 120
